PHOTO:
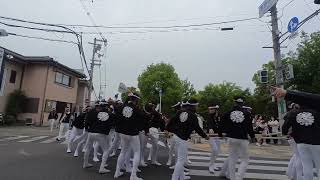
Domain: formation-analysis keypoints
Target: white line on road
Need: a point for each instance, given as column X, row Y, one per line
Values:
column 204, row 153
column 49, row 140
column 250, row 161
column 255, row 167
column 33, row 139
column 13, row 138
column 247, row 175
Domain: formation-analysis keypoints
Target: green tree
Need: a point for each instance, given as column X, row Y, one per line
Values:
column 14, row 106
column 306, row 65
column 221, row 94
column 162, row 76
column 188, row 89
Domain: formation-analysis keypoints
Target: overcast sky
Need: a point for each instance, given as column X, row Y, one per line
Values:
column 202, row 56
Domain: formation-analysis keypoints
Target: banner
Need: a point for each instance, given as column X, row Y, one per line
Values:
column 1, row 67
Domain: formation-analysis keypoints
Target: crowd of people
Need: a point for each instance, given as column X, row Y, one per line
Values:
column 112, row 124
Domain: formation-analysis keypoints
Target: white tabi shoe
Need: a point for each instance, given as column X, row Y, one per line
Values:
column 104, row 171
column 87, row 165
column 95, row 159
column 135, row 178
column 118, row 174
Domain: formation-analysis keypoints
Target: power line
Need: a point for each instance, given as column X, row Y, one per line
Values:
column 91, row 19
column 68, row 30
column 33, row 28
column 310, row 8
column 287, row 4
column 151, row 31
column 41, row 38
column 174, row 20
column 162, row 27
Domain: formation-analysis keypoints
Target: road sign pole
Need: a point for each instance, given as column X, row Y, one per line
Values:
column 277, row 61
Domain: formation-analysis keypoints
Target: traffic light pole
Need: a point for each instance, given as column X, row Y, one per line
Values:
column 277, row 61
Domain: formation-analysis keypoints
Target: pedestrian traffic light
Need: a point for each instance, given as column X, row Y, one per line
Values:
column 263, row 74
column 317, row 1
column 288, row 72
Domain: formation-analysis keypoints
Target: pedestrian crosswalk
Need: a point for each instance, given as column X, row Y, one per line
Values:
column 258, row 168
column 30, row 139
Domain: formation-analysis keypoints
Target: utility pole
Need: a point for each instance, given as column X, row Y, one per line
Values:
column 102, row 86
column 96, row 48
column 277, row 60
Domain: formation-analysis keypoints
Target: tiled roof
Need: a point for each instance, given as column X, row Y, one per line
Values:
column 42, row 59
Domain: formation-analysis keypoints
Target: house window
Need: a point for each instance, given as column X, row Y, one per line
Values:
column 13, row 76
column 50, row 105
column 63, row 79
column 31, row 105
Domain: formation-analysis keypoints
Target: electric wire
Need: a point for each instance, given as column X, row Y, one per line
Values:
column 163, row 27
column 41, row 38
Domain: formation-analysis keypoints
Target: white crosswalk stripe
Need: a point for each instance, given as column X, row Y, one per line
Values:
column 258, row 168
column 13, row 138
column 49, row 140
column 33, row 139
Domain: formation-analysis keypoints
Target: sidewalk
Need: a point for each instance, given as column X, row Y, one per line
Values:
column 27, row 130
column 266, row 151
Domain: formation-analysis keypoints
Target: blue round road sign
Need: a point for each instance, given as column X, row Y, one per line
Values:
column 293, row 25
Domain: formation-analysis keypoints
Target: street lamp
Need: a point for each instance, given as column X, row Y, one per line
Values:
column 159, row 89
column 3, row 32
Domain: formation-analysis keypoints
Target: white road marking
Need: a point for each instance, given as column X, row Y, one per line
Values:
column 49, row 140
column 250, row 161
column 33, row 139
column 13, row 138
column 247, row 175
column 255, row 167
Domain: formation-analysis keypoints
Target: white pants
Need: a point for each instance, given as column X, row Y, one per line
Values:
column 309, row 154
column 182, row 150
column 64, row 127
column 238, row 148
column 52, row 123
column 129, row 143
column 103, row 141
column 295, row 165
column 143, row 142
column 75, row 132
column 172, row 146
column 154, row 139
column 115, row 142
column 81, row 141
column 215, row 149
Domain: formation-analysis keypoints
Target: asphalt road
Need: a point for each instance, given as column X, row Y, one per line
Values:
column 33, row 154
column 36, row 161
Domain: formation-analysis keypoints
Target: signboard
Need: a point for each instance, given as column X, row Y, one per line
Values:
column 1, row 66
column 293, row 25
column 266, row 6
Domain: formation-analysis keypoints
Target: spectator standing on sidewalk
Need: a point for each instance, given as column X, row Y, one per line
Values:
column 274, row 128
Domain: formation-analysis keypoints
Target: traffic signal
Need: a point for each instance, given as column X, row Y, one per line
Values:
column 317, row 1
column 288, row 72
column 263, row 74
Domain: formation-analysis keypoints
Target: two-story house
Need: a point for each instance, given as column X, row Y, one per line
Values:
column 46, row 83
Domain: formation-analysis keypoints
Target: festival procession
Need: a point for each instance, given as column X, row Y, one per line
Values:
column 160, row 90
column 114, row 124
